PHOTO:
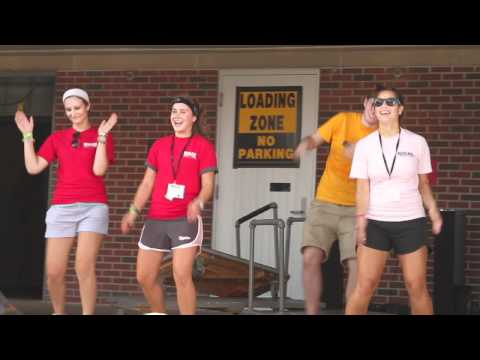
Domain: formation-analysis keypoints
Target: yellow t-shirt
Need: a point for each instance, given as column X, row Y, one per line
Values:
column 335, row 185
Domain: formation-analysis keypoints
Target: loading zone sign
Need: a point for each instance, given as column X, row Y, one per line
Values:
column 267, row 126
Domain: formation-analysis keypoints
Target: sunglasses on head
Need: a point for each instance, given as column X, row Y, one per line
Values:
column 76, row 139
column 390, row 102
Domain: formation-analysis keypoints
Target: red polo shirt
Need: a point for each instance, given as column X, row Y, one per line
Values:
column 76, row 181
column 198, row 158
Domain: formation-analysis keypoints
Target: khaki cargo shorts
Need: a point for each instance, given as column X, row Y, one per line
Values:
column 327, row 222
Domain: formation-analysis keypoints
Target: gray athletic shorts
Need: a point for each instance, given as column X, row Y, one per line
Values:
column 165, row 236
column 68, row 220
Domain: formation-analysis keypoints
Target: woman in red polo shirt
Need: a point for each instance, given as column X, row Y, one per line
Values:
column 79, row 205
column 179, row 178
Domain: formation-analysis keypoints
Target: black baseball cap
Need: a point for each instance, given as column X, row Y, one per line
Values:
column 189, row 102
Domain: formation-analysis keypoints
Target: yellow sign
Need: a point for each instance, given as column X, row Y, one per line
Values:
column 268, row 112
column 268, row 125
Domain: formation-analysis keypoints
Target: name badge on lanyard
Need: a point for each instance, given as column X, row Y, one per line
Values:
column 174, row 190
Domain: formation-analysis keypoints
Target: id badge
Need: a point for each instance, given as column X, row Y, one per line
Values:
column 175, row 191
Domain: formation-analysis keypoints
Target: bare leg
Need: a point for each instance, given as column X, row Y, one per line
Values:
column 58, row 250
column 414, row 267
column 312, row 279
column 148, row 267
column 183, row 260
column 85, row 266
column 371, row 263
column 352, row 277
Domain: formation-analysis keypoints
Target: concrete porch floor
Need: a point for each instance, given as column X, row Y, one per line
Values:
column 206, row 305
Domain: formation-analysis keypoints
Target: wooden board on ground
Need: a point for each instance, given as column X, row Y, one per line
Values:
column 224, row 275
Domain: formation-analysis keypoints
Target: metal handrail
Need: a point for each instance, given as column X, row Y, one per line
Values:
column 279, row 227
column 251, row 215
column 290, row 221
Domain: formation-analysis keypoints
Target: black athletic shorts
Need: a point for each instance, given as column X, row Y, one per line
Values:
column 403, row 236
column 165, row 236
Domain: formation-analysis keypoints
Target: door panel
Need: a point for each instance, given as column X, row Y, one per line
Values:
column 243, row 190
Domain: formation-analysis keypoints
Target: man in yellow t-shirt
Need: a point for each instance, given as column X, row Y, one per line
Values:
column 332, row 214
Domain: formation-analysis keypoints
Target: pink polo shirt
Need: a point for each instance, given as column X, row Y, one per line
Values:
column 394, row 198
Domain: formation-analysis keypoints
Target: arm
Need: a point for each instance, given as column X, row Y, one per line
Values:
column 363, row 198
column 33, row 163
column 100, row 164
column 196, row 205
column 430, row 203
column 348, row 149
column 141, row 197
column 308, row 143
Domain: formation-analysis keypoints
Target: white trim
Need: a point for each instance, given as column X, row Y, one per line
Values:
column 143, row 247
column 198, row 239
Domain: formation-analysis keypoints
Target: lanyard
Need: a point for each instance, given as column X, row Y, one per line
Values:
column 394, row 158
column 172, row 159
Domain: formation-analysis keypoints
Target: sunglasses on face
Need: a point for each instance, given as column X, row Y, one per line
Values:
column 390, row 102
column 76, row 139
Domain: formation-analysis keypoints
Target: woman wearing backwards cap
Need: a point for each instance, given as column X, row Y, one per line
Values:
column 179, row 178
column 79, row 205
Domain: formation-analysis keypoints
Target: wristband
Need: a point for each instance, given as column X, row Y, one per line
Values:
column 28, row 136
column 102, row 139
column 133, row 210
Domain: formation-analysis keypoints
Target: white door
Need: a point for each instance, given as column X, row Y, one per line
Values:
column 243, row 190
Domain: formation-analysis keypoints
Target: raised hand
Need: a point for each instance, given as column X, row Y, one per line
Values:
column 300, row 150
column 24, row 124
column 107, row 125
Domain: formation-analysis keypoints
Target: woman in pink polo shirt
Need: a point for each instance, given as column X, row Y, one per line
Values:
column 391, row 167
column 79, row 204
column 179, row 178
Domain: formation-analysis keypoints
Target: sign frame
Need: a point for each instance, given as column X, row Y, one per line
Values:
column 238, row 163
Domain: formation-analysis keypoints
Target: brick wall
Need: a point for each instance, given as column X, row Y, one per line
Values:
column 140, row 98
column 443, row 105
